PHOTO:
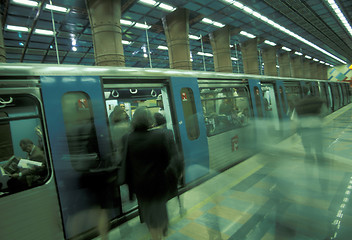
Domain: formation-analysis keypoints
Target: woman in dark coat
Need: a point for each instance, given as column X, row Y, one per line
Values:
column 148, row 156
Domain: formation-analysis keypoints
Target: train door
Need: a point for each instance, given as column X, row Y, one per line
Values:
column 191, row 127
column 122, row 98
column 335, row 96
column 28, row 198
column 329, row 97
column 79, row 137
column 257, row 98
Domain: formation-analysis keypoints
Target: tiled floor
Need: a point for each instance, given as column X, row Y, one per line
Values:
column 273, row 195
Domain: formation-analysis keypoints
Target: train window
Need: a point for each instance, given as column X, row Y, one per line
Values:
column 80, row 131
column 190, row 113
column 225, row 109
column 23, row 162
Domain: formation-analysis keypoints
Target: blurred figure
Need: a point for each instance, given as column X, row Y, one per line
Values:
column 148, row 157
column 119, row 127
column 310, row 111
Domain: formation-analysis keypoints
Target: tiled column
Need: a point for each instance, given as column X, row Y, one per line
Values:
column 220, row 42
column 285, row 64
column 104, row 19
column 269, row 58
column 249, row 51
column 176, row 27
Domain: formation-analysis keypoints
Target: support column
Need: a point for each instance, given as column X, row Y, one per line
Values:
column 104, row 17
column 306, row 68
column 269, row 58
column 285, row 65
column 250, row 56
column 297, row 67
column 2, row 44
column 313, row 70
column 324, row 72
column 176, row 27
column 220, row 42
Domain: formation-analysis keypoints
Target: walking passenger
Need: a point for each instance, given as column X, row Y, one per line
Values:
column 148, row 156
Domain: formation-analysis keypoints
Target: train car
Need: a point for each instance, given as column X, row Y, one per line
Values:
column 218, row 119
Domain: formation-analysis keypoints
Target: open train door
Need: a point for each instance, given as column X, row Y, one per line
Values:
column 191, row 127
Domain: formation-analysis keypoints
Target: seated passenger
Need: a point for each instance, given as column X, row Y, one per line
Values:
column 31, row 175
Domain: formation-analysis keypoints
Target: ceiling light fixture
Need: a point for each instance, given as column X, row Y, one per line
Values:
column 166, row 7
column 26, row 3
column 17, row 28
column 194, row 37
column 270, row 43
column 162, row 47
column 257, row 15
column 247, row 34
column 209, row 21
column 56, row 8
column 149, row 2
column 44, row 32
column 286, row 49
column 126, row 42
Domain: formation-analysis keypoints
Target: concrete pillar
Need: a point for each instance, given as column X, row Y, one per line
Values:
column 306, row 68
column 324, row 72
column 176, row 27
column 2, row 44
column 220, row 42
column 285, row 64
column 104, row 17
column 313, row 70
column 297, row 67
column 249, row 51
column 269, row 58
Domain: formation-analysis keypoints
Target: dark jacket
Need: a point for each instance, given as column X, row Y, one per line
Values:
column 147, row 159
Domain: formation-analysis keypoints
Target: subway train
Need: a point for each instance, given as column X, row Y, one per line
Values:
column 218, row 120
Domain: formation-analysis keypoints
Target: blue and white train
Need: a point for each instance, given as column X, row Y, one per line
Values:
column 217, row 119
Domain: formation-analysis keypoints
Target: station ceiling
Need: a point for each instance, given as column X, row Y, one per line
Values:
column 310, row 27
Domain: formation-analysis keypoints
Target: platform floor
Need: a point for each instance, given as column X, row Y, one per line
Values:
column 276, row 194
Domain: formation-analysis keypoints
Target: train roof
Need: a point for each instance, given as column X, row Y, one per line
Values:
column 35, row 70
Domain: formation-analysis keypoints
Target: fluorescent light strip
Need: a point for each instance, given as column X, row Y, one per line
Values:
column 340, row 15
column 26, row 3
column 161, row 5
column 44, row 32
column 17, row 28
column 205, row 54
column 270, row 43
column 162, row 47
column 166, row 7
column 209, row 21
column 247, row 34
column 315, row 60
column 286, row 49
column 308, row 57
column 194, row 37
column 281, row 28
column 56, row 8
column 134, row 24
column 149, row 2
column 234, row 59
column 299, row 53
column 126, row 42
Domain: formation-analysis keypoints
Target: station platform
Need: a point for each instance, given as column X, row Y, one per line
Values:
column 276, row 194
